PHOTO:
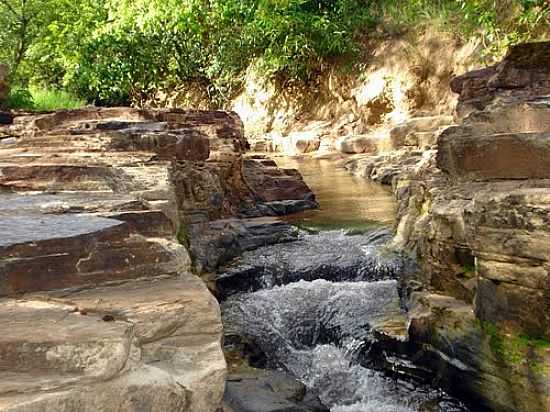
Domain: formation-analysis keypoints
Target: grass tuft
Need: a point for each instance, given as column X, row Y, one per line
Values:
column 43, row 100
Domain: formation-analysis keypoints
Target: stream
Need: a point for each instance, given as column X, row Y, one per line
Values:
column 316, row 307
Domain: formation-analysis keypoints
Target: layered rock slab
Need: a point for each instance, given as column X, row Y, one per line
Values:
column 153, row 345
column 95, row 291
column 476, row 215
column 101, row 312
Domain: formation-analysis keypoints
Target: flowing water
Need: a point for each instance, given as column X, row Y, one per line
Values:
column 315, row 307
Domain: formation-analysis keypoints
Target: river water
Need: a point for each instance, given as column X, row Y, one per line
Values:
column 346, row 201
column 319, row 301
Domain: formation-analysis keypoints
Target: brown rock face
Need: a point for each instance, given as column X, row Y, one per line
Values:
column 99, row 307
column 524, row 72
column 270, row 183
column 497, row 156
column 477, row 214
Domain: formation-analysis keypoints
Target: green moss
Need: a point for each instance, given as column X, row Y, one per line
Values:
column 468, row 270
column 350, row 227
column 183, row 236
column 516, row 349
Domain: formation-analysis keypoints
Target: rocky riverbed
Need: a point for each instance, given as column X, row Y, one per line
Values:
column 471, row 192
column 108, row 214
column 325, row 309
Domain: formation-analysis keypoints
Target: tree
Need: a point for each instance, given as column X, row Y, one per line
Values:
column 21, row 22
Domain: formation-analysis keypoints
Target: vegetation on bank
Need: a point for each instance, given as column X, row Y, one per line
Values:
column 125, row 51
column 516, row 349
column 42, row 100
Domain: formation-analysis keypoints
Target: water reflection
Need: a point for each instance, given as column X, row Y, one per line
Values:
column 346, row 201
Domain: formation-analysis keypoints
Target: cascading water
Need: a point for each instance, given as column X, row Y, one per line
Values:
column 316, row 307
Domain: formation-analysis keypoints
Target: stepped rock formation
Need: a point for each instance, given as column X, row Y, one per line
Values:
column 98, row 305
column 475, row 211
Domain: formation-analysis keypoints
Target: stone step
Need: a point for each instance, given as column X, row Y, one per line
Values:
column 45, row 345
column 270, row 183
column 46, row 252
column 69, row 177
column 65, row 350
column 177, row 144
column 498, row 156
column 532, row 116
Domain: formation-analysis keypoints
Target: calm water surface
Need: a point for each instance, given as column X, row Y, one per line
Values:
column 346, row 201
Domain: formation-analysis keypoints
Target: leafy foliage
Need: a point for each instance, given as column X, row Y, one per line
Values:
column 124, row 51
column 20, row 99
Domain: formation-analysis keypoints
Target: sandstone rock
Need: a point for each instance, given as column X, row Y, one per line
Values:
column 357, row 144
column 502, row 156
column 270, row 183
column 400, row 135
column 142, row 344
column 119, row 323
column 524, row 72
column 508, row 233
column 495, row 370
column 476, row 214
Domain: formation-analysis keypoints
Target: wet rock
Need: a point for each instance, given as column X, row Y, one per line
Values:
column 322, row 332
column 285, row 207
column 5, row 118
column 305, row 314
column 332, row 256
column 215, row 243
column 269, row 391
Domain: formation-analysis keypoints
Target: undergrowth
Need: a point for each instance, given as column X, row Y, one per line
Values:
column 42, row 100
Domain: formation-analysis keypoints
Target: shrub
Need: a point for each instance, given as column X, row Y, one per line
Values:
column 124, row 51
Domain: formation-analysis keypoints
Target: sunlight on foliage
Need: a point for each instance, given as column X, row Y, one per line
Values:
column 124, row 51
